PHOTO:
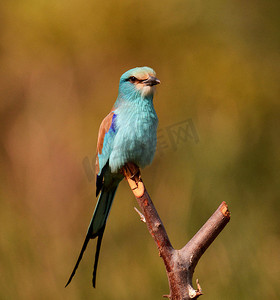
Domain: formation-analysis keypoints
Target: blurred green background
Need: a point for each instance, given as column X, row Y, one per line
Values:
column 218, row 62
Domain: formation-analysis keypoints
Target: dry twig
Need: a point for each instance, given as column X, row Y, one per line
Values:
column 179, row 264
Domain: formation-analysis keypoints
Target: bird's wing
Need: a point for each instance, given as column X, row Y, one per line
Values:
column 106, row 136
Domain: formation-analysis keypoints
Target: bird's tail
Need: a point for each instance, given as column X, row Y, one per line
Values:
column 96, row 227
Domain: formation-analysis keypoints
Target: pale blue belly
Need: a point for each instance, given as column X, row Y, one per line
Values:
column 135, row 140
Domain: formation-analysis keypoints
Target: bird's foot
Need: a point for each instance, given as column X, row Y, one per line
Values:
column 132, row 171
column 132, row 174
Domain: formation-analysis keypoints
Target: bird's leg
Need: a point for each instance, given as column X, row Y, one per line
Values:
column 131, row 170
column 132, row 174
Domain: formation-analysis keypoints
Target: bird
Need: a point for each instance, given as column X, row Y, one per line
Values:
column 128, row 134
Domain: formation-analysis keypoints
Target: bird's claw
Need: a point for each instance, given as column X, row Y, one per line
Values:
column 132, row 171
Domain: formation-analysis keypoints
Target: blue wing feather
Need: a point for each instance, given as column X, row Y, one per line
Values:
column 106, row 136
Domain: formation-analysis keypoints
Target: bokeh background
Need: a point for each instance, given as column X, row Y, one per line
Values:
column 60, row 63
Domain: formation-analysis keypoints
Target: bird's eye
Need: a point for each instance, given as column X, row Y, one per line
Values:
column 132, row 79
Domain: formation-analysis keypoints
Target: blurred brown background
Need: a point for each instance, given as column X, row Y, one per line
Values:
column 60, row 66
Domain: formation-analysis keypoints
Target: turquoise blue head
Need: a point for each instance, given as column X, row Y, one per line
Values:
column 138, row 82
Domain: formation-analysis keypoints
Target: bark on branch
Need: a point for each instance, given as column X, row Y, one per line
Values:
column 179, row 264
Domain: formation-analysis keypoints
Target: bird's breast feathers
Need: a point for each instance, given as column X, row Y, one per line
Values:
column 136, row 136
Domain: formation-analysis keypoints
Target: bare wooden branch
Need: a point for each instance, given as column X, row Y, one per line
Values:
column 179, row 264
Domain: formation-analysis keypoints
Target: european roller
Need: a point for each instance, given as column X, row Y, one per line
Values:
column 128, row 134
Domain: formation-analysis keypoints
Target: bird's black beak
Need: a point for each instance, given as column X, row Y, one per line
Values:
column 151, row 81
